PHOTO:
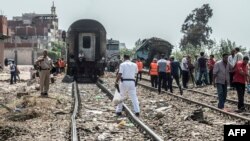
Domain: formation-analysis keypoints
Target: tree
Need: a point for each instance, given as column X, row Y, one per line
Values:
column 195, row 29
column 126, row 51
column 58, row 49
column 225, row 46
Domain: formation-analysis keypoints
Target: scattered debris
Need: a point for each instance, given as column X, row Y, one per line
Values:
column 197, row 115
column 7, row 132
column 68, row 79
column 20, row 94
column 23, row 116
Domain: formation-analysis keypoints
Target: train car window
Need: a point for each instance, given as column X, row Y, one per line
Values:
column 86, row 41
column 113, row 47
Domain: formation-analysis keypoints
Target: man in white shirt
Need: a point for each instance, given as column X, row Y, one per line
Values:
column 238, row 55
column 127, row 73
column 231, row 62
column 196, row 67
column 185, row 71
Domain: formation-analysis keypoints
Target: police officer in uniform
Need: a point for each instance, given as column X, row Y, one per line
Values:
column 45, row 64
column 127, row 73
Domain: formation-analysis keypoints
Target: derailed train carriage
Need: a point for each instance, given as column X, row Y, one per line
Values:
column 86, row 40
column 153, row 48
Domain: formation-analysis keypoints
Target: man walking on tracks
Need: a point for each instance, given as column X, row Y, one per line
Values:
column 127, row 73
column 169, row 79
column 240, row 78
column 185, row 71
column 140, row 67
column 231, row 61
column 210, row 64
column 162, row 64
column 45, row 64
column 176, row 69
column 202, row 64
column 153, row 72
column 221, row 79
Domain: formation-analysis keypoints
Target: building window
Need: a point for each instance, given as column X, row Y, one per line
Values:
column 86, row 41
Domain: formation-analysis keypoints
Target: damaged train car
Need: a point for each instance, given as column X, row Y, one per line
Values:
column 153, row 48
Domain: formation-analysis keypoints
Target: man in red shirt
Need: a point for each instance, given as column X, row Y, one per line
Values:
column 240, row 78
column 210, row 64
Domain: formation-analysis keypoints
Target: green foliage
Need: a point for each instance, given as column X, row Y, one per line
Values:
column 190, row 50
column 126, row 51
column 225, row 46
column 178, row 55
column 56, row 49
column 195, row 29
column 54, row 55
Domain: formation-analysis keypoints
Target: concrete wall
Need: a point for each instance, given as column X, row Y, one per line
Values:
column 24, row 55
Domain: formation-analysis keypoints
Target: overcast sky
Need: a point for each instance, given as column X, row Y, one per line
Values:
column 129, row 20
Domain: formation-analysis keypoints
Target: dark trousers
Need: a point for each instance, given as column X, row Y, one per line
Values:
column 176, row 77
column 210, row 76
column 222, row 94
column 231, row 74
column 162, row 81
column 62, row 69
column 139, row 74
column 154, row 80
column 185, row 78
column 12, row 76
column 240, row 88
column 204, row 74
column 169, row 81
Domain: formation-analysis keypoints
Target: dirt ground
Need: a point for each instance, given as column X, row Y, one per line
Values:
column 25, row 116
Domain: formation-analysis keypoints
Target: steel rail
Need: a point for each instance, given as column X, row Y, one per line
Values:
column 75, row 94
column 202, row 104
column 139, row 124
column 247, row 105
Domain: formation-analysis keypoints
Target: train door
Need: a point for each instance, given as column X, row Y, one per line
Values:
column 86, row 46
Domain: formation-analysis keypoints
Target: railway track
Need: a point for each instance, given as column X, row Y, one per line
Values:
column 96, row 120
column 170, row 117
column 231, row 101
column 202, row 101
column 231, row 96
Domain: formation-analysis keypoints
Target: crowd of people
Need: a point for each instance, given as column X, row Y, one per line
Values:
column 229, row 73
